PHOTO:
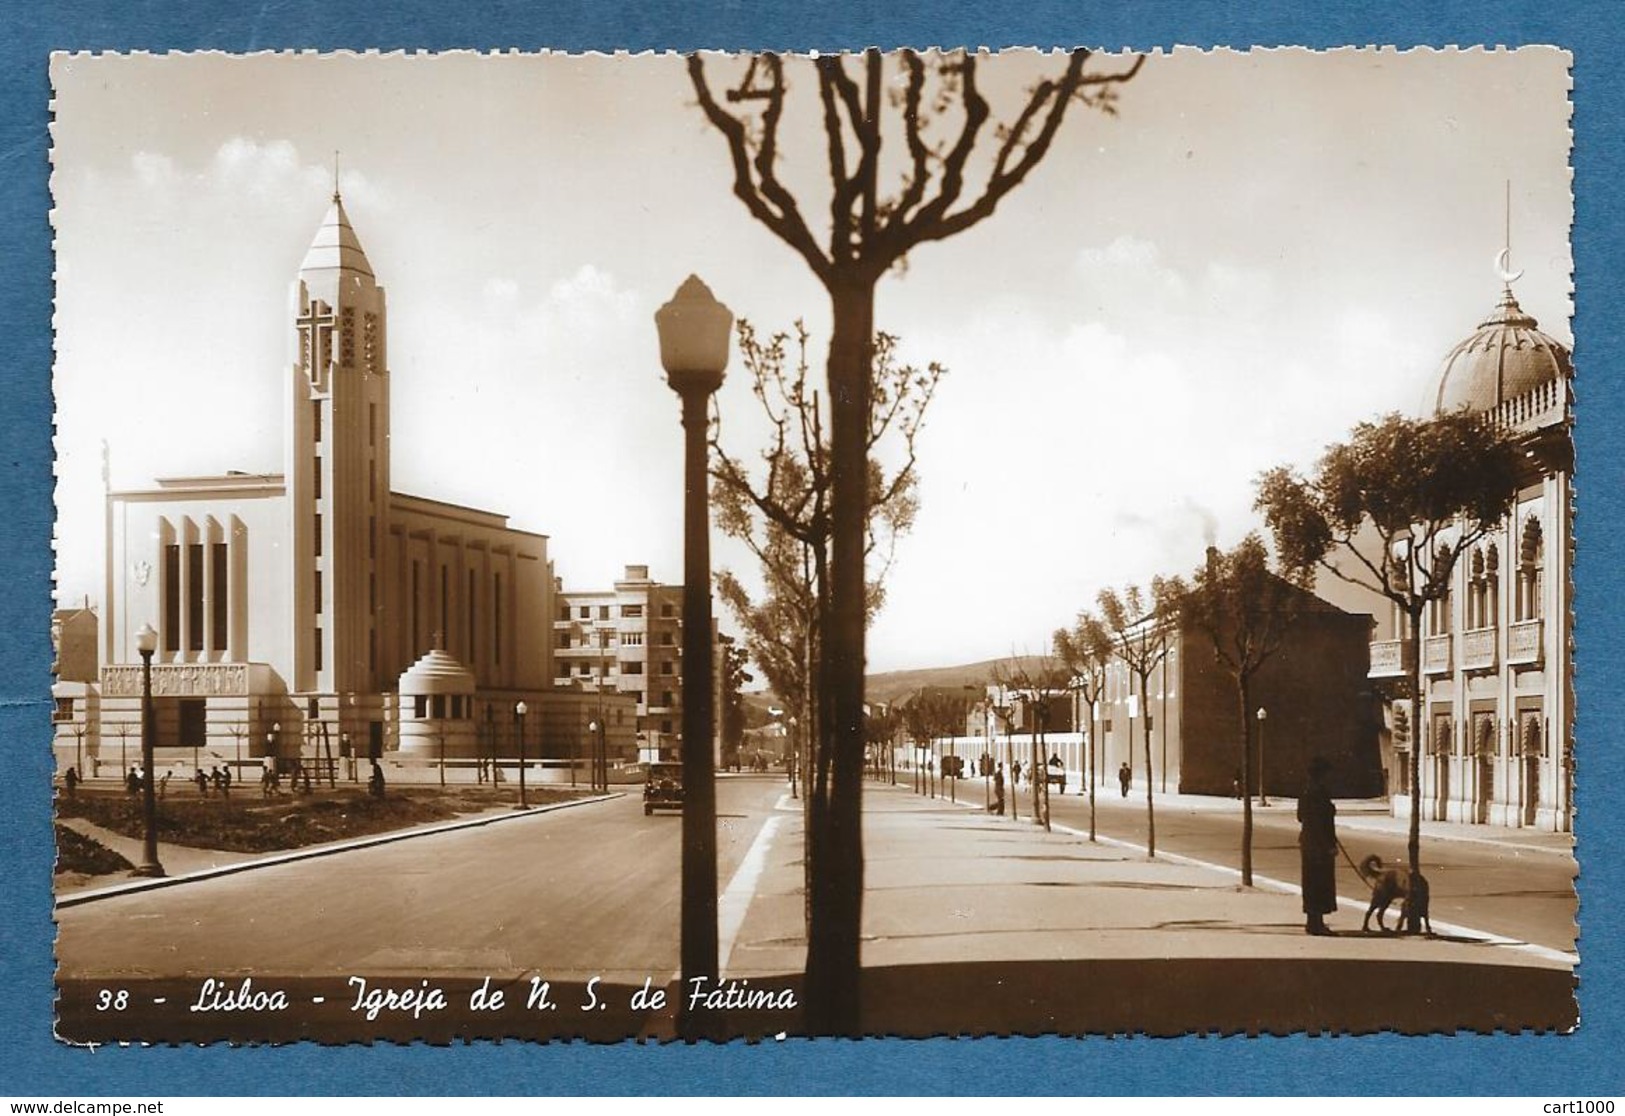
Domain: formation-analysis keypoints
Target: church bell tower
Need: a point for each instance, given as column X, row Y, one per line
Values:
column 337, row 464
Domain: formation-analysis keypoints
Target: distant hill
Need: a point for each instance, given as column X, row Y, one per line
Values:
column 895, row 684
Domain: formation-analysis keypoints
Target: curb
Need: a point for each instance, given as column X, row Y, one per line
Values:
column 314, row 851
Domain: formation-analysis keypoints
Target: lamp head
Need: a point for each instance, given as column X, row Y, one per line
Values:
column 521, row 708
column 146, row 639
column 1261, row 713
column 693, row 329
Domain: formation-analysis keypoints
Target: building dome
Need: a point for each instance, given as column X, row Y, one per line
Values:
column 1505, row 359
column 437, row 673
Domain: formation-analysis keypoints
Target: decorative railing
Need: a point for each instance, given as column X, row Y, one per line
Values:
column 1524, row 642
column 1436, row 655
column 1478, row 649
column 1544, row 406
column 1390, row 658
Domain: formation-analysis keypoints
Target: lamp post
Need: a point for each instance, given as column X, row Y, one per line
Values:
column 693, row 329
column 1263, row 795
column 146, row 642
column 519, row 711
column 593, row 730
column 795, row 758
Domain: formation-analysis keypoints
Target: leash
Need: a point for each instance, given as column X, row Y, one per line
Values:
column 1347, row 857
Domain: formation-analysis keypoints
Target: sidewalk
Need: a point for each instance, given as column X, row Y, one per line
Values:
column 973, row 924
column 1372, row 815
column 183, row 863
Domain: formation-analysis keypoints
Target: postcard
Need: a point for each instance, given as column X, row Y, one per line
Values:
column 660, row 547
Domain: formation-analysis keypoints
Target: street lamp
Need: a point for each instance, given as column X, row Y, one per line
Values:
column 519, row 711
column 146, row 642
column 1263, row 795
column 693, row 329
column 603, row 756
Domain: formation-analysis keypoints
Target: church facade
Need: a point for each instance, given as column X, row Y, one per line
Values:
column 288, row 607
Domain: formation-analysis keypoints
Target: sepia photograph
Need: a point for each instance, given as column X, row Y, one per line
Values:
column 909, row 543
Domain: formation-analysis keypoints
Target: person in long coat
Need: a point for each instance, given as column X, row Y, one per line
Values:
column 1317, row 848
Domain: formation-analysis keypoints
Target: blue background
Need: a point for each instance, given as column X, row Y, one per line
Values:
column 1585, row 1063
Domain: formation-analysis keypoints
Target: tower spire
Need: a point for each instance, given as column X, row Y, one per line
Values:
column 335, row 174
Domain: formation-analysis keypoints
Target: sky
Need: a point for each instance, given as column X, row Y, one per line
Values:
column 1257, row 251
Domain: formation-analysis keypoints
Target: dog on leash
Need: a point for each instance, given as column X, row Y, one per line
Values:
column 1388, row 884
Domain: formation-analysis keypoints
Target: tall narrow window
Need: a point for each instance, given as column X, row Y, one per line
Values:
column 372, row 536
column 172, row 597
column 417, row 628
column 372, row 592
column 372, row 424
column 472, row 642
column 317, row 527
column 316, row 421
column 194, row 596
column 316, row 654
column 316, row 479
column 445, row 605
column 218, row 615
column 316, row 589
column 496, row 619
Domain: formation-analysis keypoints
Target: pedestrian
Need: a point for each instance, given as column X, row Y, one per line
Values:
column 202, row 782
column 1235, row 784
column 225, row 782
column 267, row 780
column 1015, row 773
column 1317, row 848
column 70, row 780
column 998, row 791
column 163, row 784
column 375, row 781
column 215, row 779
column 1124, row 778
column 132, row 783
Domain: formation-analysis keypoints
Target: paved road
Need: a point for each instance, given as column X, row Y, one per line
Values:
column 1522, row 893
column 589, row 890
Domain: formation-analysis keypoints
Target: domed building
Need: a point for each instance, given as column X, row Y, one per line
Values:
column 1496, row 712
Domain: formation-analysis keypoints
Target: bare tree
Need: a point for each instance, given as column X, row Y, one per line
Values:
column 870, row 232
column 1035, row 681
column 1429, row 490
column 1086, row 651
column 781, row 511
column 1246, row 612
column 1138, row 627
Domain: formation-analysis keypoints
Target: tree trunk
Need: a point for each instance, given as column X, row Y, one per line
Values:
column 1419, row 732
column 834, row 956
column 1246, row 783
column 1150, row 810
column 1092, row 771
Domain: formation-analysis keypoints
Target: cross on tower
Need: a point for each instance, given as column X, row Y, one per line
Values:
column 315, row 335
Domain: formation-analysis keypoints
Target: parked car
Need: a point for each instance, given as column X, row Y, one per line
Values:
column 1056, row 775
column 663, row 788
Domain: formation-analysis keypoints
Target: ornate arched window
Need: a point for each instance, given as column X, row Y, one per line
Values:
column 1531, row 570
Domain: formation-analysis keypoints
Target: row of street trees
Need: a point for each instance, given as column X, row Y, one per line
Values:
column 1393, row 509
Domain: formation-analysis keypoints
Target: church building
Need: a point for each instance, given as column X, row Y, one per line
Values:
column 288, row 607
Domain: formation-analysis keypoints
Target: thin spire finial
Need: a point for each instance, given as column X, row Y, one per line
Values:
column 1503, row 258
column 335, row 175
